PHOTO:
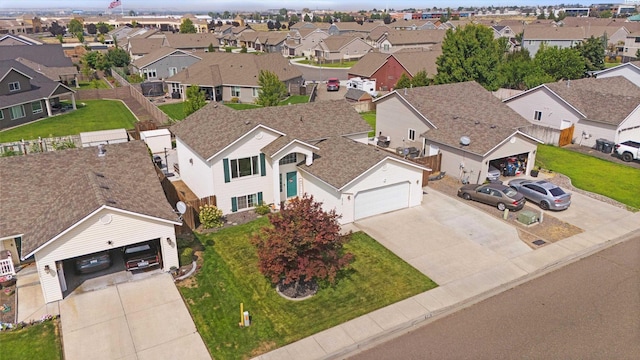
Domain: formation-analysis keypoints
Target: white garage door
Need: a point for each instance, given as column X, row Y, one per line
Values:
column 381, row 200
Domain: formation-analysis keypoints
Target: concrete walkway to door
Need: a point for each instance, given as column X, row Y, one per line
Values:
column 137, row 320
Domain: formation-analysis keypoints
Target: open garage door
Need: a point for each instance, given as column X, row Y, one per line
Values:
column 382, row 200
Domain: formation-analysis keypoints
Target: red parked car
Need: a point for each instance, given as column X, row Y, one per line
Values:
column 333, row 84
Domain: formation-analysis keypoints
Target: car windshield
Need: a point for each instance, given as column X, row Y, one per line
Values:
column 509, row 192
column 556, row 191
column 137, row 249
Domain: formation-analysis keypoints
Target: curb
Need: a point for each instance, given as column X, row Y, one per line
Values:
column 422, row 320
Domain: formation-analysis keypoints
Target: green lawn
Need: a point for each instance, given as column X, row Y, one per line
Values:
column 295, row 99
column 610, row 65
column 174, row 111
column 370, row 118
column 616, row 181
column 33, row 342
column 230, row 276
column 96, row 115
column 94, row 84
column 241, row 106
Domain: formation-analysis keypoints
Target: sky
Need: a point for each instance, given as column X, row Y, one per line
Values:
column 244, row 5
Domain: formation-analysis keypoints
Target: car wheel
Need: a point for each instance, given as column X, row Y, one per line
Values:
column 627, row 157
column 466, row 196
column 544, row 205
column 501, row 206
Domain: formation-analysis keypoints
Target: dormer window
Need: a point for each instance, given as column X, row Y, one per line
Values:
column 14, row 86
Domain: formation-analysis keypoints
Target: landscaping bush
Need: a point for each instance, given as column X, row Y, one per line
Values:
column 235, row 100
column 263, row 209
column 186, row 256
column 210, row 216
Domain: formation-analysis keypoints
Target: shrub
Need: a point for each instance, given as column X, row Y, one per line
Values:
column 263, row 209
column 210, row 216
column 235, row 100
column 186, row 256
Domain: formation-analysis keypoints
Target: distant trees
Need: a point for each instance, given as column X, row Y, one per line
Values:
column 75, row 26
column 55, row 29
column 102, row 27
column 92, row 29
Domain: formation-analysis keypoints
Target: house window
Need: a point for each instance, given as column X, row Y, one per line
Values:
column 36, row 106
column 1, row 114
column 412, row 135
column 244, row 167
column 235, row 91
column 537, row 115
column 386, row 47
column 173, row 71
column 17, row 112
column 256, row 92
column 247, row 201
column 289, row 159
column 151, row 73
column 14, row 86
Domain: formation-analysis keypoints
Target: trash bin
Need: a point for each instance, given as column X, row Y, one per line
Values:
column 600, row 144
column 158, row 161
column 607, row 146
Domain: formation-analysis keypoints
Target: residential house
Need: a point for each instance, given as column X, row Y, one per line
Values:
column 302, row 42
column 269, row 155
column 271, row 42
column 11, row 40
column 387, row 69
column 195, row 43
column 139, row 47
column 607, row 108
column 163, row 63
column 632, row 45
column 562, row 37
column 82, row 201
column 338, row 48
column 415, row 24
column 227, row 76
column 630, row 71
column 397, row 40
column 50, row 60
column 27, row 95
column 463, row 122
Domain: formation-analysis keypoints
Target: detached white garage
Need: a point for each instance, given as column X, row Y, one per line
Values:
column 368, row 182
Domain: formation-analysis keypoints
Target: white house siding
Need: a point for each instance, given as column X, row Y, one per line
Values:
column 595, row 130
column 553, row 109
column 394, row 119
column 629, row 129
column 250, row 145
column 194, row 171
column 92, row 235
column 630, row 74
column 329, row 196
column 459, row 164
column 534, row 45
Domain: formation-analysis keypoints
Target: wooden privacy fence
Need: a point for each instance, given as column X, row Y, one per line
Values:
column 566, row 136
column 433, row 162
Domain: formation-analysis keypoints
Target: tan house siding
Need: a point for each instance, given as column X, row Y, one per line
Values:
column 403, row 120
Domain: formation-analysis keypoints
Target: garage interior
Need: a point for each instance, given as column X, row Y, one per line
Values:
column 511, row 165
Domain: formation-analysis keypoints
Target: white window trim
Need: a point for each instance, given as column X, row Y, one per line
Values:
column 289, row 159
column 537, row 115
column 233, row 91
column 411, row 135
column 14, row 86
column 24, row 113
column 256, row 92
column 254, row 171
column 254, row 197
column 34, row 110
column 1, row 114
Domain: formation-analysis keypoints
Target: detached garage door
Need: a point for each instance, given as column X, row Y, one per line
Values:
column 381, row 200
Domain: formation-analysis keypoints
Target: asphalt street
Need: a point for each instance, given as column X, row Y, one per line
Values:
column 589, row 309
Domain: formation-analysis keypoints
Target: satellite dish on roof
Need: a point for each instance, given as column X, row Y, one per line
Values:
column 464, row 141
column 181, row 207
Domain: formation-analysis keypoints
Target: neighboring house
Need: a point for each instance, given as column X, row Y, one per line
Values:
column 631, row 44
column 441, row 118
column 414, row 24
column 197, row 43
column 386, row 69
column 163, row 63
column 225, row 76
column 630, row 71
column 139, row 47
column 271, row 42
column 301, row 42
column 49, row 60
column 11, row 40
column 607, row 108
column 269, row 155
column 27, row 95
column 562, row 37
column 338, row 48
column 82, row 204
column 397, row 40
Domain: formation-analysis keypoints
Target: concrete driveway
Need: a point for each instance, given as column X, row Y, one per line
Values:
column 137, row 320
column 444, row 239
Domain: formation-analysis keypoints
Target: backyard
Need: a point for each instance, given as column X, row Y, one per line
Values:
column 229, row 276
column 370, row 118
column 616, row 181
column 91, row 115
column 34, row 342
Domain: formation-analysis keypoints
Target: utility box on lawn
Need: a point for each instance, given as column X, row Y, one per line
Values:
column 528, row 217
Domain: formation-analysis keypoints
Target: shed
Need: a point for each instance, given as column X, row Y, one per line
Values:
column 157, row 140
column 95, row 138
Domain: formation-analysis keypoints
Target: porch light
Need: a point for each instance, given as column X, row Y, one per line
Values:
column 169, row 241
column 47, row 269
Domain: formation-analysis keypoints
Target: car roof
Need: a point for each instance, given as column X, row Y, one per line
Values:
column 496, row 186
column 333, row 79
column 546, row 184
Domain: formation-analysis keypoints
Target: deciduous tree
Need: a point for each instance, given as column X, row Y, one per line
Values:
column 272, row 90
column 92, row 29
column 118, row 57
column 559, row 63
column 75, row 26
column 187, row 27
column 592, row 50
column 403, row 82
column 302, row 244
column 195, row 100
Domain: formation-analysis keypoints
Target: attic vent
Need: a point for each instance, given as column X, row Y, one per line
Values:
column 493, row 126
column 104, row 187
column 476, row 122
column 111, row 201
column 100, row 175
column 247, row 122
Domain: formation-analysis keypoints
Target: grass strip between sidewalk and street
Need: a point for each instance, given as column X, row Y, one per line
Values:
column 230, row 276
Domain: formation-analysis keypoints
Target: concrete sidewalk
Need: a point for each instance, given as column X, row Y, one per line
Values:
column 472, row 266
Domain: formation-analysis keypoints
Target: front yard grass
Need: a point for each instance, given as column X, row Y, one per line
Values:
column 370, row 118
column 96, row 115
column 615, row 181
column 35, row 342
column 230, row 276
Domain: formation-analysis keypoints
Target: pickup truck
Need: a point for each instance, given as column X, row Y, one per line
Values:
column 628, row 150
column 141, row 256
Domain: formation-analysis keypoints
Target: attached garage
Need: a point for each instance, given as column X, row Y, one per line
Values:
column 381, row 200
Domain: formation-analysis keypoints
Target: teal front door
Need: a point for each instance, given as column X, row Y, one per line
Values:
column 292, row 184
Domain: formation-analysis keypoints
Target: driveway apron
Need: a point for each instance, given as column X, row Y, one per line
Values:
column 143, row 319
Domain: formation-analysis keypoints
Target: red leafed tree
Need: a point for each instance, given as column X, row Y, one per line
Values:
column 303, row 244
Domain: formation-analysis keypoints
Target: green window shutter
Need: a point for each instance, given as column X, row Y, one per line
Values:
column 263, row 165
column 234, row 204
column 225, row 165
column 260, row 198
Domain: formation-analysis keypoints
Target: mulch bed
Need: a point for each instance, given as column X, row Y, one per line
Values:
column 8, row 301
column 304, row 290
column 550, row 230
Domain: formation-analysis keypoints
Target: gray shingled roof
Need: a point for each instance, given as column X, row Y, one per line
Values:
column 413, row 37
column 553, row 33
column 215, row 126
column 158, row 54
column 48, row 55
column 44, row 194
column 464, row 109
column 41, row 86
column 188, row 41
column 141, row 46
column 608, row 100
column 53, row 73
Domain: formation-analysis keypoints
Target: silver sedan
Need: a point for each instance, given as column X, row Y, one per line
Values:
column 546, row 194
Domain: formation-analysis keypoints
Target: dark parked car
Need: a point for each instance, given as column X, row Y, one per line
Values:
column 547, row 195
column 141, row 256
column 93, row 262
column 498, row 195
column 333, row 84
